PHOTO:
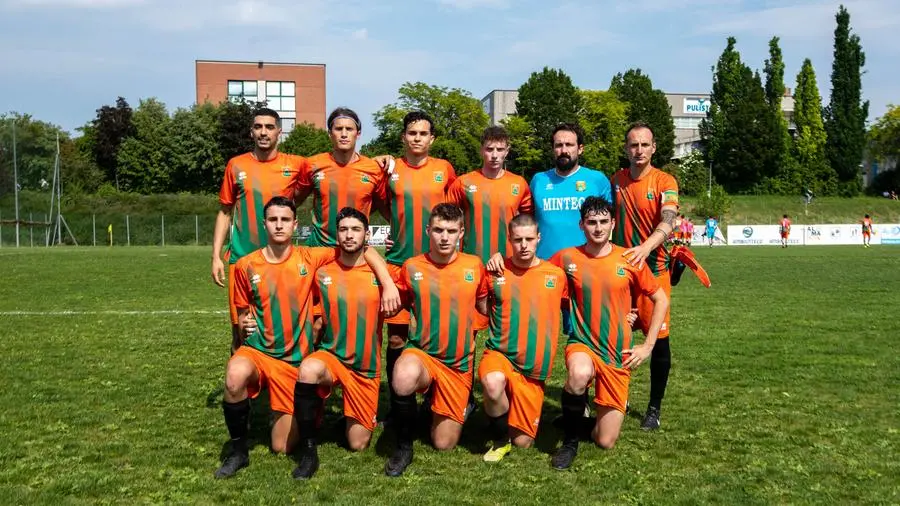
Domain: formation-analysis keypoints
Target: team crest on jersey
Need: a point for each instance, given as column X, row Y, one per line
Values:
column 320, row 176
column 515, row 189
column 620, row 270
column 549, row 186
column 286, row 171
column 650, row 194
column 471, row 188
column 326, row 280
column 303, row 271
column 550, row 281
column 580, row 186
column 571, row 268
column 242, row 176
column 500, row 281
column 255, row 279
column 417, row 276
column 469, row 275
column 365, row 179
column 438, row 177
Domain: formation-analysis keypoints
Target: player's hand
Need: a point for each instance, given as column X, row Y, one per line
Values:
column 390, row 300
column 636, row 255
column 218, row 271
column 495, row 264
column 631, row 317
column 638, row 355
column 247, row 324
column 386, row 162
column 388, row 244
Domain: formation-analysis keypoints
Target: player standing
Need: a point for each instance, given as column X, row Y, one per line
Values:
column 785, row 229
column 601, row 285
column 417, row 184
column 867, row 231
column 250, row 181
column 711, row 225
column 273, row 297
column 524, row 322
column 349, row 354
column 646, row 207
column 559, row 192
column 444, row 288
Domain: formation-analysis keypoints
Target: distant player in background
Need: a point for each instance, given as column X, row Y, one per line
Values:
column 867, row 231
column 785, row 229
column 250, row 181
column 687, row 230
column 677, row 234
column 559, row 192
column 711, row 225
column 417, row 184
column 646, row 207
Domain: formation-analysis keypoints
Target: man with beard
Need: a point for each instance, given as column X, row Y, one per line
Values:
column 559, row 192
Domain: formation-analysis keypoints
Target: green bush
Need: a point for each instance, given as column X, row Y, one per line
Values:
column 718, row 203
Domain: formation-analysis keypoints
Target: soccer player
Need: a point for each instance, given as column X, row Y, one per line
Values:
column 601, row 285
column 250, row 181
column 524, row 304
column 444, row 288
column 687, row 230
column 711, row 225
column 349, row 354
column 646, row 206
column 559, row 192
column 417, row 184
column 677, row 232
column 785, row 229
column 867, row 231
column 273, row 296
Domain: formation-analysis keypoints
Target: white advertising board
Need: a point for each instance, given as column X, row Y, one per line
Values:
column 762, row 235
column 814, row 235
column 699, row 239
column 887, row 234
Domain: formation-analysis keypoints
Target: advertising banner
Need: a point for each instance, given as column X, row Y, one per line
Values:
column 762, row 235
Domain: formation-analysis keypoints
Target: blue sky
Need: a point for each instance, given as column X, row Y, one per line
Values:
column 62, row 59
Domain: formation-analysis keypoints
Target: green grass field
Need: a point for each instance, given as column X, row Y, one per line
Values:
column 784, row 389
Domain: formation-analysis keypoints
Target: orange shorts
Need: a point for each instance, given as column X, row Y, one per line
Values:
column 318, row 309
column 360, row 392
column 449, row 388
column 784, row 235
column 278, row 375
column 867, row 234
column 645, row 307
column 480, row 322
column 232, row 309
column 403, row 317
column 526, row 395
column 610, row 383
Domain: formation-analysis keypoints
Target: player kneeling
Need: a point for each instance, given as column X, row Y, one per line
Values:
column 523, row 303
column 601, row 284
column 443, row 287
column 349, row 354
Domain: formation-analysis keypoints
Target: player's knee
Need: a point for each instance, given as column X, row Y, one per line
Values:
column 494, row 385
column 311, row 371
column 237, row 375
column 396, row 341
column 579, row 376
column 280, row 446
column 406, row 376
column 523, row 441
column 444, row 442
column 359, row 442
column 606, row 441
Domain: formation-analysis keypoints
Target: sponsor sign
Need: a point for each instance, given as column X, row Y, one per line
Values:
column 887, row 234
column 379, row 234
column 696, row 105
column 698, row 239
column 762, row 235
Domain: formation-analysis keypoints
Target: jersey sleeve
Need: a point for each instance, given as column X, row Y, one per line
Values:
column 565, row 284
column 456, row 193
column 526, row 203
column 227, row 195
column 451, row 176
column 605, row 189
column 402, row 283
column 242, row 290
column 321, row 255
column 303, row 182
column 643, row 281
column 668, row 190
column 484, row 285
column 556, row 259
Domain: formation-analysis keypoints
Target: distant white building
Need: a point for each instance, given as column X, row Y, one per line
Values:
column 688, row 109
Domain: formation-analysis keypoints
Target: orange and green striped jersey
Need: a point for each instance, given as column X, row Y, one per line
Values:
column 488, row 206
column 443, row 299
column 411, row 193
column 334, row 187
column 866, row 225
column 600, row 290
column 638, row 207
column 351, row 300
column 524, row 316
column 280, row 298
column 247, row 187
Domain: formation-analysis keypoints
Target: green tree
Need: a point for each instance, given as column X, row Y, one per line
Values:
column 195, row 163
column 545, row 100
column 809, row 145
column 884, row 136
column 235, row 120
column 111, row 127
column 692, row 174
column 785, row 171
column 306, row 139
column 650, row 106
column 604, row 120
column 459, row 122
column 144, row 163
column 846, row 114
column 524, row 157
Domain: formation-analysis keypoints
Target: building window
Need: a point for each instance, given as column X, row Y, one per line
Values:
column 246, row 90
column 287, row 124
column 281, row 96
column 687, row 123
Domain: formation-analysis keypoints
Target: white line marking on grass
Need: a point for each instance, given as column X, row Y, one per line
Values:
column 112, row 312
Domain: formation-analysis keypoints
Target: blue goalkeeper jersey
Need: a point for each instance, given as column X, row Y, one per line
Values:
column 557, row 205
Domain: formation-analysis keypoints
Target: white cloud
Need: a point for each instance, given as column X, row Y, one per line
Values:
column 472, row 4
column 77, row 4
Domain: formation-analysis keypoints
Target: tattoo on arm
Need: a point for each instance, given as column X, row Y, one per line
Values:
column 668, row 217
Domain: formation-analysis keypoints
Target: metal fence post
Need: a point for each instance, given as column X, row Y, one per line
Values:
column 31, row 228
column 94, row 227
column 127, row 231
column 163, row 229
column 197, row 229
column 1, row 230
